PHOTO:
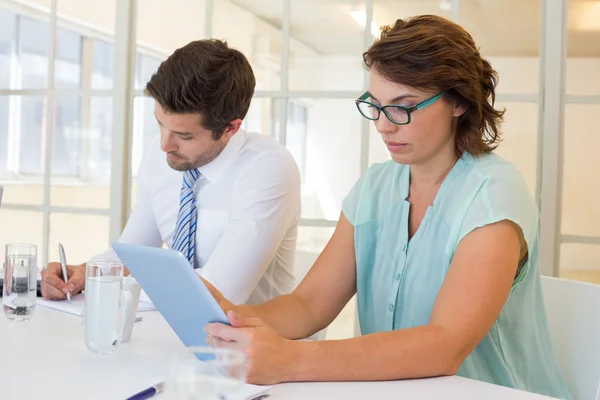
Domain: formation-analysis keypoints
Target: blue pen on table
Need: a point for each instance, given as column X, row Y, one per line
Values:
column 63, row 264
column 158, row 388
column 147, row 393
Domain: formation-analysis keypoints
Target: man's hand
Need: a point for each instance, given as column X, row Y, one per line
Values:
column 53, row 284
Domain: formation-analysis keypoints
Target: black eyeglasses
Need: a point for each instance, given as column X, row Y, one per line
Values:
column 396, row 113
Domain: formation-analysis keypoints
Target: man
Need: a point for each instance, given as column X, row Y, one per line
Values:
column 227, row 199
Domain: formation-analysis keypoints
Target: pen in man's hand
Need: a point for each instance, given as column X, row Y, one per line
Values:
column 63, row 264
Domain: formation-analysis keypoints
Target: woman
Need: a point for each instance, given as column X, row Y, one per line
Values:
column 440, row 243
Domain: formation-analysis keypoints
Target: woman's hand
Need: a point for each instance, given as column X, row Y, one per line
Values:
column 225, row 304
column 272, row 357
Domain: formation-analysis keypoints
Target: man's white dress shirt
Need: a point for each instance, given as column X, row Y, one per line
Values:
column 248, row 205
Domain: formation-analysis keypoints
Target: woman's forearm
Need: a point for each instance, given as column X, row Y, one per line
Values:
column 409, row 353
column 288, row 315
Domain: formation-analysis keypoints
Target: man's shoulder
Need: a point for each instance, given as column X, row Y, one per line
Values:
column 259, row 142
column 264, row 151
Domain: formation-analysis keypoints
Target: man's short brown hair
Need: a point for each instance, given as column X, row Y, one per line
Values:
column 205, row 77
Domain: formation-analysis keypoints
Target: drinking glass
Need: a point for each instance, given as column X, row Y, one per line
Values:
column 106, row 306
column 20, row 281
column 206, row 373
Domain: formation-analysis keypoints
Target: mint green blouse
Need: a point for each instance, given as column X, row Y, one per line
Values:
column 398, row 281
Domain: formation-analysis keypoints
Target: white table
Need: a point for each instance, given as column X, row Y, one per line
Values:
column 46, row 358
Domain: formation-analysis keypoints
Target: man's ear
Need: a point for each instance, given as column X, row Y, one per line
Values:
column 232, row 128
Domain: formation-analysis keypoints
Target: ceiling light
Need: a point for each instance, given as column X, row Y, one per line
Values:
column 361, row 18
column 446, row 5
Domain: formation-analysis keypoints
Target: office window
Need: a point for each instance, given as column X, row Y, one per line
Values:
column 99, row 163
column 33, row 53
column 580, row 261
column 296, row 133
column 68, row 59
column 145, row 130
column 8, row 23
column 4, row 135
column 20, row 227
column 520, row 139
column 331, row 156
column 68, row 230
column 261, row 117
column 581, row 186
column 103, row 69
column 67, row 137
column 260, row 40
column 146, row 67
column 580, row 222
column 30, row 121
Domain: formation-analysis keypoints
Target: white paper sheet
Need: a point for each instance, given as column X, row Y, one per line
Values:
column 76, row 305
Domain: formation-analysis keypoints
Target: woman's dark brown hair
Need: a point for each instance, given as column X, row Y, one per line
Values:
column 205, row 77
column 431, row 53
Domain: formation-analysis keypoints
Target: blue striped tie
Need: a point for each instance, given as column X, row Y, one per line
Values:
column 184, row 239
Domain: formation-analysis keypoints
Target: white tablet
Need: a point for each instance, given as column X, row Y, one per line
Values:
column 175, row 289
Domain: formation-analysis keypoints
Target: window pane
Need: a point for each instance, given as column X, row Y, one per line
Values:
column 101, row 124
column 512, row 47
column 260, row 40
column 33, row 53
column 5, row 137
column 67, row 139
column 583, row 62
column 29, row 133
column 580, row 262
column 581, row 186
column 68, row 229
column 145, row 130
column 103, row 65
column 519, row 139
column 146, row 67
column 296, row 132
column 582, row 77
column 81, row 153
column 20, row 227
column 326, row 44
column 96, row 62
column 68, row 59
column 326, row 144
column 81, row 145
column 260, row 117
column 8, row 23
